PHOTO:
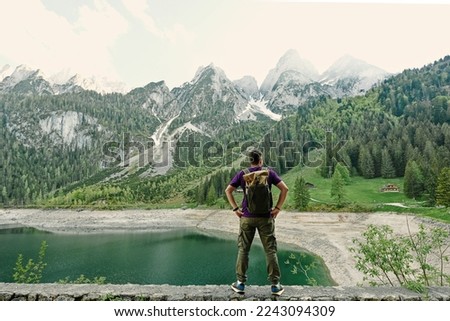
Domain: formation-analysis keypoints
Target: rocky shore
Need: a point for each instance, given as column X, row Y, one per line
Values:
column 328, row 235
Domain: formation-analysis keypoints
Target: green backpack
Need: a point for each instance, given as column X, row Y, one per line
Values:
column 257, row 191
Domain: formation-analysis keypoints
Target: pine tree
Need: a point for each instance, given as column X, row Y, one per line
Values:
column 430, row 177
column 366, row 165
column 413, row 181
column 399, row 159
column 377, row 160
column 301, row 194
column 337, row 188
column 201, row 192
column 443, row 188
column 343, row 170
column 387, row 167
column 211, row 196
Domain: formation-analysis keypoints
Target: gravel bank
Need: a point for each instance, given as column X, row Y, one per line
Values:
column 328, row 235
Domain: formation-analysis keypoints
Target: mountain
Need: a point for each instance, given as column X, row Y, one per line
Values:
column 211, row 101
column 350, row 76
column 5, row 71
column 290, row 61
column 294, row 81
column 55, row 143
column 62, row 130
column 101, row 85
column 291, row 90
column 25, row 80
column 291, row 83
column 157, row 99
column 210, row 105
column 249, row 87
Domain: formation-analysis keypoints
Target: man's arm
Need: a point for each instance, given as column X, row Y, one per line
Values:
column 229, row 193
column 281, row 198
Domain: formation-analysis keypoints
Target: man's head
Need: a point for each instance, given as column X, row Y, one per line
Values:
column 255, row 157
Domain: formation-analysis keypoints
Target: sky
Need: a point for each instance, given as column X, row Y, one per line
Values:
column 142, row 41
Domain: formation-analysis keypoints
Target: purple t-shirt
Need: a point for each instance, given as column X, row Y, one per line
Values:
column 238, row 180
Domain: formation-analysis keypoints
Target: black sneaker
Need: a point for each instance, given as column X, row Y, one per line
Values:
column 277, row 289
column 238, row 287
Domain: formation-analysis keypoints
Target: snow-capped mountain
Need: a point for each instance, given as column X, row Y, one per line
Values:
column 290, row 61
column 212, row 101
column 293, row 81
column 249, row 86
column 101, row 85
column 5, row 71
column 290, row 91
column 210, row 96
column 26, row 80
column 350, row 76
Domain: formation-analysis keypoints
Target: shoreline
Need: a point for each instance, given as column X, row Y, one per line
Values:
column 327, row 235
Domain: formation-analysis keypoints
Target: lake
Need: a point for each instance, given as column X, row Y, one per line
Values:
column 179, row 257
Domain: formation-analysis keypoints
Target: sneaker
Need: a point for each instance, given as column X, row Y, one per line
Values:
column 277, row 289
column 238, row 287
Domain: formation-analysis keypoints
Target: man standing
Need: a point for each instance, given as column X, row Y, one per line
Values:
column 250, row 222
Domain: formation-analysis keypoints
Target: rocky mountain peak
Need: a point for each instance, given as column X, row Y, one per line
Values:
column 5, row 71
column 351, row 76
column 348, row 66
column 249, row 86
column 27, row 80
column 290, row 61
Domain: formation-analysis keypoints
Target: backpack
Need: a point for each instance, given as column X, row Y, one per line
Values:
column 257, row 191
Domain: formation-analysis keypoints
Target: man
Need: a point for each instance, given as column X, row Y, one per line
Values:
column 249, row 223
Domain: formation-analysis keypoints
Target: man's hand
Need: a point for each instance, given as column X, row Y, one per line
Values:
column 274, row 213
column 238, row 213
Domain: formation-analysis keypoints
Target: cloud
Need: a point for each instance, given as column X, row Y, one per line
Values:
column 33, row 35
column 141, row 11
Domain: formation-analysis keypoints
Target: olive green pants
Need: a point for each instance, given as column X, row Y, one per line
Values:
column 266, row 231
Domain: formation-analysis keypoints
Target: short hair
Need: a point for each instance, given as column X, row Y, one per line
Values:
column 255, row 156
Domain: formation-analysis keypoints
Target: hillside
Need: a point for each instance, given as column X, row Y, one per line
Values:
column 63, row 150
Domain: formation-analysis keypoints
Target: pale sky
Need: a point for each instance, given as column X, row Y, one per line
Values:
column 140, row 41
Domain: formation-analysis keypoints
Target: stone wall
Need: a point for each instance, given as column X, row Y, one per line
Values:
column 130, row 292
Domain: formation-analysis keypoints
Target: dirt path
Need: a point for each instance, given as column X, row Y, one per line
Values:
column 328, row 235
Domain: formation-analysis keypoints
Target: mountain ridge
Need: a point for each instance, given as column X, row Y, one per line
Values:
column 58, row 83
column 66, row 81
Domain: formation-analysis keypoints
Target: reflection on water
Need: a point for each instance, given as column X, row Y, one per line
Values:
column 182, row 257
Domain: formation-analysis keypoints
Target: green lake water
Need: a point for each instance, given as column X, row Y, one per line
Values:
column 182, row 257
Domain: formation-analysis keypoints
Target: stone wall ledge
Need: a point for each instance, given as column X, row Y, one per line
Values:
column 133, row 292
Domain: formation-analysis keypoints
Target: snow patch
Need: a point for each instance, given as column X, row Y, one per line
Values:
column 161, row 132
column 188, row 126
column 246, row 114
column 257, row 107
column 261, row 106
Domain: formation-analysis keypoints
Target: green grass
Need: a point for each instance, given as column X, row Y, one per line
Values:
column 362, row 195
column 360, row 190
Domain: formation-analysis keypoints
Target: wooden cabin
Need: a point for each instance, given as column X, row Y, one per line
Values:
column 390, row 188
